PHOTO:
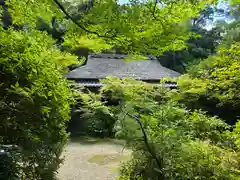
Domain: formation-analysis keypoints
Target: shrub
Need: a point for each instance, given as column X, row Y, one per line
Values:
column 187, row 146
column 92, row 115
column 34, row 101
column 214, row 85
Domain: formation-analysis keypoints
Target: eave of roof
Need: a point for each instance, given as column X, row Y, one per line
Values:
column 98, row 85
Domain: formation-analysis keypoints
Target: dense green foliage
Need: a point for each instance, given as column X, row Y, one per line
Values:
column 198, row 47
column 214, row 84
column 34, row 101
column 188, row 146
column 91, row 116
column 138, row 27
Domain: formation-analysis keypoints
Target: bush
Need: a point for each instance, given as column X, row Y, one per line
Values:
column 187, row 146
column 34, row 101
column 214, row 85
column 91, row 116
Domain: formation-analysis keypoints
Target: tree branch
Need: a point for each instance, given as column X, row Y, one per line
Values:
column 146, row 141
column 154, row 15
column 154, row 9
column 77, row 23
column 6, row 17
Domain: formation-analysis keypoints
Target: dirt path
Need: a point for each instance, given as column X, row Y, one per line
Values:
column 92, row 160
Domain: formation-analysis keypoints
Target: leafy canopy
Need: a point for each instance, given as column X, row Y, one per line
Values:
column 138, row 27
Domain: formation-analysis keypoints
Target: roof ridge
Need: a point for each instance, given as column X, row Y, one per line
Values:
column 115, row 56
column 108, row 56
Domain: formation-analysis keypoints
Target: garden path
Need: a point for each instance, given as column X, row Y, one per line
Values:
column 92, row 159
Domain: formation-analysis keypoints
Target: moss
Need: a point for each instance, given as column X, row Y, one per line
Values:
column 104, row 159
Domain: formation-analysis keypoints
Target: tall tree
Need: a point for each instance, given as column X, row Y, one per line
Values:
column 199, row 47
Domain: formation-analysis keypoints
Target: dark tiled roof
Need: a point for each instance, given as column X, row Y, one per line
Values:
column 101, row 65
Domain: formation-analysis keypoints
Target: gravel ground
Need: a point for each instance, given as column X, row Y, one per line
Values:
column 92, row 161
